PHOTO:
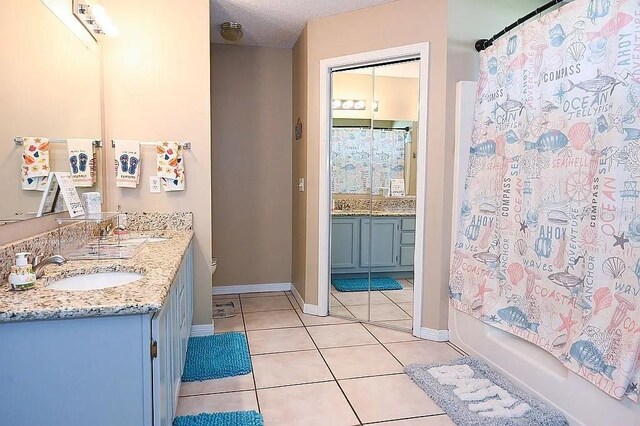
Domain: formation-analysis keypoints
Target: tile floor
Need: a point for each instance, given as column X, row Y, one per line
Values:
column 394, row 307
column 310, row 370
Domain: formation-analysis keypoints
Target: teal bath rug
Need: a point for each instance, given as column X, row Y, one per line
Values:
column 362, row 284
column 216, row 356
column 471, row 393
column 233, row 418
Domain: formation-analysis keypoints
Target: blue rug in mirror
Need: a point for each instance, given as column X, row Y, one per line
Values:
column 232, row 418
column 216, row 356
column 362, row 284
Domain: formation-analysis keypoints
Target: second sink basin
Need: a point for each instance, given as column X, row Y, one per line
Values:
column 95, row 281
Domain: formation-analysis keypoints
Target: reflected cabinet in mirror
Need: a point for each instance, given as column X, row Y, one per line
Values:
column 50, row 112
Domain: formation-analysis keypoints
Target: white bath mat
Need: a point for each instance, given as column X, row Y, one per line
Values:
column 473, row 394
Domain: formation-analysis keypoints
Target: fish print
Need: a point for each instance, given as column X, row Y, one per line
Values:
column 600, row 83
column 487, row 258
column 565, row 279
column 514, row 316
column 484, row 149
column 586, row 353
column 551, row 140
column 631, row 134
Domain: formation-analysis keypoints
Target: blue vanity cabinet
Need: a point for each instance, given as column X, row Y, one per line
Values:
column 120, row 370
column 392, row 244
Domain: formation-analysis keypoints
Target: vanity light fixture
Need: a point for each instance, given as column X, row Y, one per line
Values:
column 349, row 104
column 95, row 18
column 231, row 31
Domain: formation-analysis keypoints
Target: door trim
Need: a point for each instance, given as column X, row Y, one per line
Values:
column 418, row 50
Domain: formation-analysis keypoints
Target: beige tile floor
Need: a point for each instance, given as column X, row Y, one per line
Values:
column 310, row 370
column 394, row 307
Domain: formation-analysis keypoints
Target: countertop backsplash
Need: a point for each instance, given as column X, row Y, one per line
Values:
column 391, row 204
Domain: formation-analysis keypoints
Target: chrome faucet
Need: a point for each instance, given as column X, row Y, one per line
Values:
column 38, row 264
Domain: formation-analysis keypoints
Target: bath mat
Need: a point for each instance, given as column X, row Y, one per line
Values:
column 232, row 418
column 216, row 356
column 471, row 393
column 362, row 284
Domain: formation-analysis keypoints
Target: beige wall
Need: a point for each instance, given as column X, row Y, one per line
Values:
column 156, row 87
column 299, row 152
column 397, row 97
column 367, row 30
column 251, row 148
column 49, row 87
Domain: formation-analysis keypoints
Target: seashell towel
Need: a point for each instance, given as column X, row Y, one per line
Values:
column 81, row 161
column 127, row 162
column 35, row 163
column 171, row 166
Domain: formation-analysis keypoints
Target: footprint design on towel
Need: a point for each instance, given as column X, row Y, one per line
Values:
column 73, row 160
column 124, row 163
column 133, row 165
column 83, row 161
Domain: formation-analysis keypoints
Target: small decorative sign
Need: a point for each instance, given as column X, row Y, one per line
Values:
column 59, row 185
column 396, row 188
column 299, row 129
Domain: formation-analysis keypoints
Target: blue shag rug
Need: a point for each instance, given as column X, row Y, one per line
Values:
column 232, row 418
column 476, row 403
column 216, row 356
column 362, row 284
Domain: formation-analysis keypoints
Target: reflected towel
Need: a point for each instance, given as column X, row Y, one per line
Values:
column 82, row 161
column 35, row 163
column 127, row 162
column 171, row 166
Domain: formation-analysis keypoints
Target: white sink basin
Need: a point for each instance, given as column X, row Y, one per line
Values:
column 95, row 281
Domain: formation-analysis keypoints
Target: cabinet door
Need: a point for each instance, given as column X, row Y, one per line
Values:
column 384, row 242
column 344, row 242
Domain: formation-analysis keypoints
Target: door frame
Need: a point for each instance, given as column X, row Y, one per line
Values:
column 419, row 51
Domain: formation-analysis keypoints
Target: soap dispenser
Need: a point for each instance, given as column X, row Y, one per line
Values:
column 22, row 276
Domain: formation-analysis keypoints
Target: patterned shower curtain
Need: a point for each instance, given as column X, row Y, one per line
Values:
column 549, row 233
column 358, row 167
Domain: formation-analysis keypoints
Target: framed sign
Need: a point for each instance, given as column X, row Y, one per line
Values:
column 60, row 185
column 299, row 129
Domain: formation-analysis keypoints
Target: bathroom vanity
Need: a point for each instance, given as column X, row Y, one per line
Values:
column 112, row 356
column 392, row 242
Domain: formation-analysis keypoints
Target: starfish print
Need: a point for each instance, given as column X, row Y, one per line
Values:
column 620, row 240
column 494, row 318
column 567, row 322
column 618, row 120
column 632, row 388
column 482, row 289
column 523, row 227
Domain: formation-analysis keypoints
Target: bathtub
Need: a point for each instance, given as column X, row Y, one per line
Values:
column 527, row 365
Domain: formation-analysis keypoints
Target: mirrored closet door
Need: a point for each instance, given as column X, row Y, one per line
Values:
column 373, row 158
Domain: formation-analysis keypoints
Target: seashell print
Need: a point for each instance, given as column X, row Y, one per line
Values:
column 472, row 232
column 28, row 159
column 521, row 247
column 543, row 247
column 512, row 45
column 44, row 146
column 576, row 52
column 579, row 135
column 557, row 36
column 602, row 299
column 614, row 267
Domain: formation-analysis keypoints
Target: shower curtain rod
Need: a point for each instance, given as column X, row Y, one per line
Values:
column 482, row 44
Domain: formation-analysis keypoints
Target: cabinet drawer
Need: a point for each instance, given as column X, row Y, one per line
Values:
column 409, row 224
column 406, row 256
column 408, row 238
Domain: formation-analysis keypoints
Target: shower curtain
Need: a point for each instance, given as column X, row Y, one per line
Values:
column 549, row 232
column 357, row 167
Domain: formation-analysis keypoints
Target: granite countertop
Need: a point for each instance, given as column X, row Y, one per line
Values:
column 376, row 213
column 158, row 262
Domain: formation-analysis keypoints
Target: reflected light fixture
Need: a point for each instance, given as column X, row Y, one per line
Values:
column 349, row 104
column 231, row 31
column 94, row 17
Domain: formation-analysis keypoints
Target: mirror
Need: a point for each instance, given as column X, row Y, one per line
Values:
column 50, row 84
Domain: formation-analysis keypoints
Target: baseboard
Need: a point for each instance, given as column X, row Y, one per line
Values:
column 305, row 307
column 434, row 335
column 250, row 288
column 201, row 330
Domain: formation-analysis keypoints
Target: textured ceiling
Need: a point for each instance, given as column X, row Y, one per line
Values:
column 276, row 23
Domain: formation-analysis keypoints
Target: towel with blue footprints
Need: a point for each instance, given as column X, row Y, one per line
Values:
column 81, row 161
column 127, row 162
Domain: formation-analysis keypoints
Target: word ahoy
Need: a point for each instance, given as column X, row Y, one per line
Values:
column 490, row 400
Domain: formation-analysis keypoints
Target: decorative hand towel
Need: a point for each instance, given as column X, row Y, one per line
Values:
column 35, row 163
column 127, row 161
column 171, row 166
column 81, row 161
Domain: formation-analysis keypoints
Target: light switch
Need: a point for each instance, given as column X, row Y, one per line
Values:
column 301, row 184
column 154, row 184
